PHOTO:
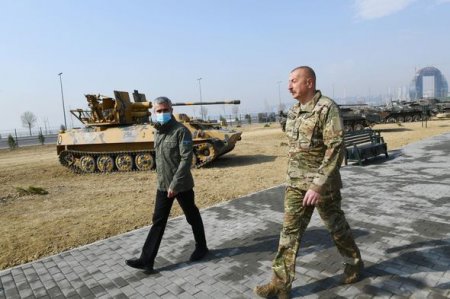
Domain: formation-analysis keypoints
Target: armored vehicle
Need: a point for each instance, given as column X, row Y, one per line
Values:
column 355, row 117
column 358, row 116
column 211, row 140
column 119, row 136
column 437, row 106
column 402, row 111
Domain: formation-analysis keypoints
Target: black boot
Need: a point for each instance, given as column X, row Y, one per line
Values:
column 199, row 253
column 139, row 264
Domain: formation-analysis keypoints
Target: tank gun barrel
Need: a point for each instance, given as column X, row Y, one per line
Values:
column 235, row 102
column 353, row 105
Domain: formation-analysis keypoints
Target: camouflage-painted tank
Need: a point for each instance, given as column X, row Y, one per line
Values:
column 402, row 111
column 211, row 140
column 119, row 136
column 358, row 116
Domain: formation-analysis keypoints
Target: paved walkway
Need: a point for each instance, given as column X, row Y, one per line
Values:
column 399, row 211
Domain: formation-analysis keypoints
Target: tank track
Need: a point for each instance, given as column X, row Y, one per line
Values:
column 74, row 166
column 205, row 153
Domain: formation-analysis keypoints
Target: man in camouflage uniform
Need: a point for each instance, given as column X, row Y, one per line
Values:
column 174, row 150
column 315, row 132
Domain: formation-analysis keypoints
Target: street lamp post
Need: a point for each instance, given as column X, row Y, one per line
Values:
column 200, row 89
column 62, row 97
column 279, row 95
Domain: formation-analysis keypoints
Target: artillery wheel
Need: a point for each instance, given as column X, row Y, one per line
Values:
column 67, row 158
column 105, row 163
column 408, row 118
column 87, row 164
column 400, row 119
column 416, row 117
column 124, row 162
column 144, row 161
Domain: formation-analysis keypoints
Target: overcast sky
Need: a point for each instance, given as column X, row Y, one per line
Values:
column 240, row 48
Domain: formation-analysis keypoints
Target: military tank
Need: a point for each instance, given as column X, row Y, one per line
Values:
column 402, row 111
column 211, row 139
column 118, row 135
column 358, row 116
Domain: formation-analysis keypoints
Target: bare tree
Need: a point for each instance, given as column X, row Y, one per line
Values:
column 28, row 120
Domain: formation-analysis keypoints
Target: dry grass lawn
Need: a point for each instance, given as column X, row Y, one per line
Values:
column 80, row 209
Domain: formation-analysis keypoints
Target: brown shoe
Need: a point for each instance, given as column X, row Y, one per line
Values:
column 271, row 290
column 352, row 273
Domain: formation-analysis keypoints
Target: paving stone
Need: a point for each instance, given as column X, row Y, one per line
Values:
column 40, row 292
column 25, row 292
column 54, row 292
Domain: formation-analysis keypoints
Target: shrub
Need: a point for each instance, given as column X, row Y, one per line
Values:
column 41, row 138
column 12, row 142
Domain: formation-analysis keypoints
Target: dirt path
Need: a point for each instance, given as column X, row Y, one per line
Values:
column 80, row 209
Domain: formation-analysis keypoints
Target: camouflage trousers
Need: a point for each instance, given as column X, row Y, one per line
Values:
column 297, row 218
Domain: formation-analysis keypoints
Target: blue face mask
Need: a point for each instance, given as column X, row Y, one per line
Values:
column 163, row 118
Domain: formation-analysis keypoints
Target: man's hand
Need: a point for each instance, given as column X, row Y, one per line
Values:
column 171, row 193
column 311, row 198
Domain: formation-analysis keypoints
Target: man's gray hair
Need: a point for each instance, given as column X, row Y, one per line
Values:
column 163, row 100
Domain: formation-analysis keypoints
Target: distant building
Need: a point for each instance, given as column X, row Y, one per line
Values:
column 435, row 88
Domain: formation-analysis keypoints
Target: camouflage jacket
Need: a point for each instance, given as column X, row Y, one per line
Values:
column 315, row 145
column 173, row 151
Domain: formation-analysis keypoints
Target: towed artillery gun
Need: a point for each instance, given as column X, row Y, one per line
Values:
column 119, row 136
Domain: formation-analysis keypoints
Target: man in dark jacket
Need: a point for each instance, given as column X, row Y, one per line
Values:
column 174, row 150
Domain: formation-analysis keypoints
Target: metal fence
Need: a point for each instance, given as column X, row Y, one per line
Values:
column 22, row 133
column 28, row 140
column 262, row 117
column 22, row 137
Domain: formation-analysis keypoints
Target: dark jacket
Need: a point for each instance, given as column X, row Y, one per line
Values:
column 173, row 148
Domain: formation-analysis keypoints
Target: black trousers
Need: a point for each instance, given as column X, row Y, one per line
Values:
column 160, row 216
